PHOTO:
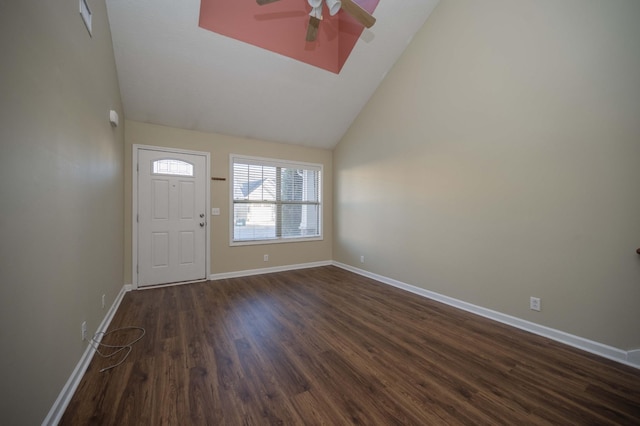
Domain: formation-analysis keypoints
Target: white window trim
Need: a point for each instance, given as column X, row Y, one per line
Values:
column 276, row 163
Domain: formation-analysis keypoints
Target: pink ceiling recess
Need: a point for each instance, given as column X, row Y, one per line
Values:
column 281, row 27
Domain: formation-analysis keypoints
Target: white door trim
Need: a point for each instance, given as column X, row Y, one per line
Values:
column 134, row 204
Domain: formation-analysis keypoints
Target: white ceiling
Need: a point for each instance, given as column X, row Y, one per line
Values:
column 174, row 73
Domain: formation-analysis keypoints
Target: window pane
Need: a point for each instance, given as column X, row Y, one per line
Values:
column 172, row 167
column 299, row 185
column 291, row 218
column 251, row 182
column 291, row 185
column 299, row 220
column 254, row 221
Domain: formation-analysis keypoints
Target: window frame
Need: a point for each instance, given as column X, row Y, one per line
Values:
column 273, row 162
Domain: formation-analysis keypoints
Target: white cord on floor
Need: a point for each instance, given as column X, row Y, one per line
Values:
column 118, row 348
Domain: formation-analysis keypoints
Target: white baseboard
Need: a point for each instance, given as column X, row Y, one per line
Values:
column 249, row 272
column 631, row 358
column 60, row 405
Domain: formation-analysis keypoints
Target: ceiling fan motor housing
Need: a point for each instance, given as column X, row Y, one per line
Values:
column 333, row 6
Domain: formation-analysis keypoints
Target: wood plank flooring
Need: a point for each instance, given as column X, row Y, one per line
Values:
column 326, row 346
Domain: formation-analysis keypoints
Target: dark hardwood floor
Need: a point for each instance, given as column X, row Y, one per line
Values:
column 325, row 346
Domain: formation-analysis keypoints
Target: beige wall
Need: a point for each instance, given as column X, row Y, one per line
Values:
column 61, row 196
column 500, row 159
column 223, row 257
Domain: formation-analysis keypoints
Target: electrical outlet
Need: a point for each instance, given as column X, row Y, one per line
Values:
column 361, row 259
column 83, row 328
column 104, row 303
column 266, row 257
column 535, row 304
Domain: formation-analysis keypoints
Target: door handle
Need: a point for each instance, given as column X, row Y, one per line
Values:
column 201, row 224
column 201, row 214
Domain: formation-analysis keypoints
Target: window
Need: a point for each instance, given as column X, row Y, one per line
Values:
column 275, row 201
column 172, row 167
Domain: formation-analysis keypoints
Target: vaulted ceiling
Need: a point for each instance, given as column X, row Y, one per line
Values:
column 173, row 72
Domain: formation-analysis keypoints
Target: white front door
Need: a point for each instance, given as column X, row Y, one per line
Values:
column 171, row 218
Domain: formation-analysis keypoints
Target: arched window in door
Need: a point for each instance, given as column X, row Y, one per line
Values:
column 169, row 166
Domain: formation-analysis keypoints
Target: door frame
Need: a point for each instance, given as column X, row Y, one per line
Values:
column 134, row 204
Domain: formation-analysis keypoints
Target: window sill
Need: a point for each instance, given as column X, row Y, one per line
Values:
column 274, row 241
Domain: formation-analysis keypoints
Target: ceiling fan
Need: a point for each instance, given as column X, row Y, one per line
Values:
column 353, row 9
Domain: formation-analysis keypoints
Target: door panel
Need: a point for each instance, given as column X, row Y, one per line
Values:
column 187, row 200
column 160, row 204
column 187, row 248
column 171, row 217
column 160, row 250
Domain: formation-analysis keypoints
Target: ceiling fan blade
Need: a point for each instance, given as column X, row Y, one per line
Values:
column 263, row 2
column 360, row 15
column 312, row 29
column 280, row 15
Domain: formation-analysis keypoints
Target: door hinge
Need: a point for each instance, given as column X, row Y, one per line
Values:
column 137, row 167
column 137, row 269
column 137, row 218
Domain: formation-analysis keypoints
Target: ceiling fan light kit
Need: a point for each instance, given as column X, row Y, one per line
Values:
column 334, row 6
column 316, row 13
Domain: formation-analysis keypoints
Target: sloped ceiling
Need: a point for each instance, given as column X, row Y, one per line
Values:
column 174, row 73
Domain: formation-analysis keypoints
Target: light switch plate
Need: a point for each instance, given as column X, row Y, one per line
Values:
column 215, row 211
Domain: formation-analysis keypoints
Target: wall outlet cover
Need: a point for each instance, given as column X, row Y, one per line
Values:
column 534, row 303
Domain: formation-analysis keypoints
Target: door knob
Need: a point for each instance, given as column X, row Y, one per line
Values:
column 201, row 214
column 202, row 224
